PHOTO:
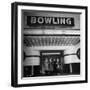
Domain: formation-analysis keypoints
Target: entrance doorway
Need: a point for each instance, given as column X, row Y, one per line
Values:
column 51, row 62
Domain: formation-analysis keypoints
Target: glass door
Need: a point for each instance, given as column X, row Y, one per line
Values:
column 51, row 64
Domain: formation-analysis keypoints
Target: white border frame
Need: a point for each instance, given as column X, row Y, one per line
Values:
column 33, row 80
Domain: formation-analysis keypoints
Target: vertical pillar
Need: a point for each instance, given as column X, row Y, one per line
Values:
column 32, row 71
column 70, row 68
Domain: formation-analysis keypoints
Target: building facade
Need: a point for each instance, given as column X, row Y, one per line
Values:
column 51, row 43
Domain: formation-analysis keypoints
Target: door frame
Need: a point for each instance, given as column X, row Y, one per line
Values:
column 51, row 51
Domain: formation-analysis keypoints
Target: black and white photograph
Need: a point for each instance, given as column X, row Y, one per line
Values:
column 49, row 44
column 47, row 49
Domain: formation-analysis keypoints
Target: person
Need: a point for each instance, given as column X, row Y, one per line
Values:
column 51, row 65
column 59, row 66
column 46, row 66
column 54, row 66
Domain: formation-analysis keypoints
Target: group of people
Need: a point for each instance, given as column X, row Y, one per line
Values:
column 52, row 66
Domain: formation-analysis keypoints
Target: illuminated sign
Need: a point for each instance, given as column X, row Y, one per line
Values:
column 43, row 20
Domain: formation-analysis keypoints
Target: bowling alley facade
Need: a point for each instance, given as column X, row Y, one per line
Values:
column 48, row 48
column 50, row 43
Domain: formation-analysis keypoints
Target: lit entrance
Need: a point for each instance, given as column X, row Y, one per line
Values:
column 51, row 62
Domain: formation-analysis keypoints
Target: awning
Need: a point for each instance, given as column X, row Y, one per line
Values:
column 32, row 41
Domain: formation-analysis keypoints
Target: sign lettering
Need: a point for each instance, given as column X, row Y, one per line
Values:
column 42, row 20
